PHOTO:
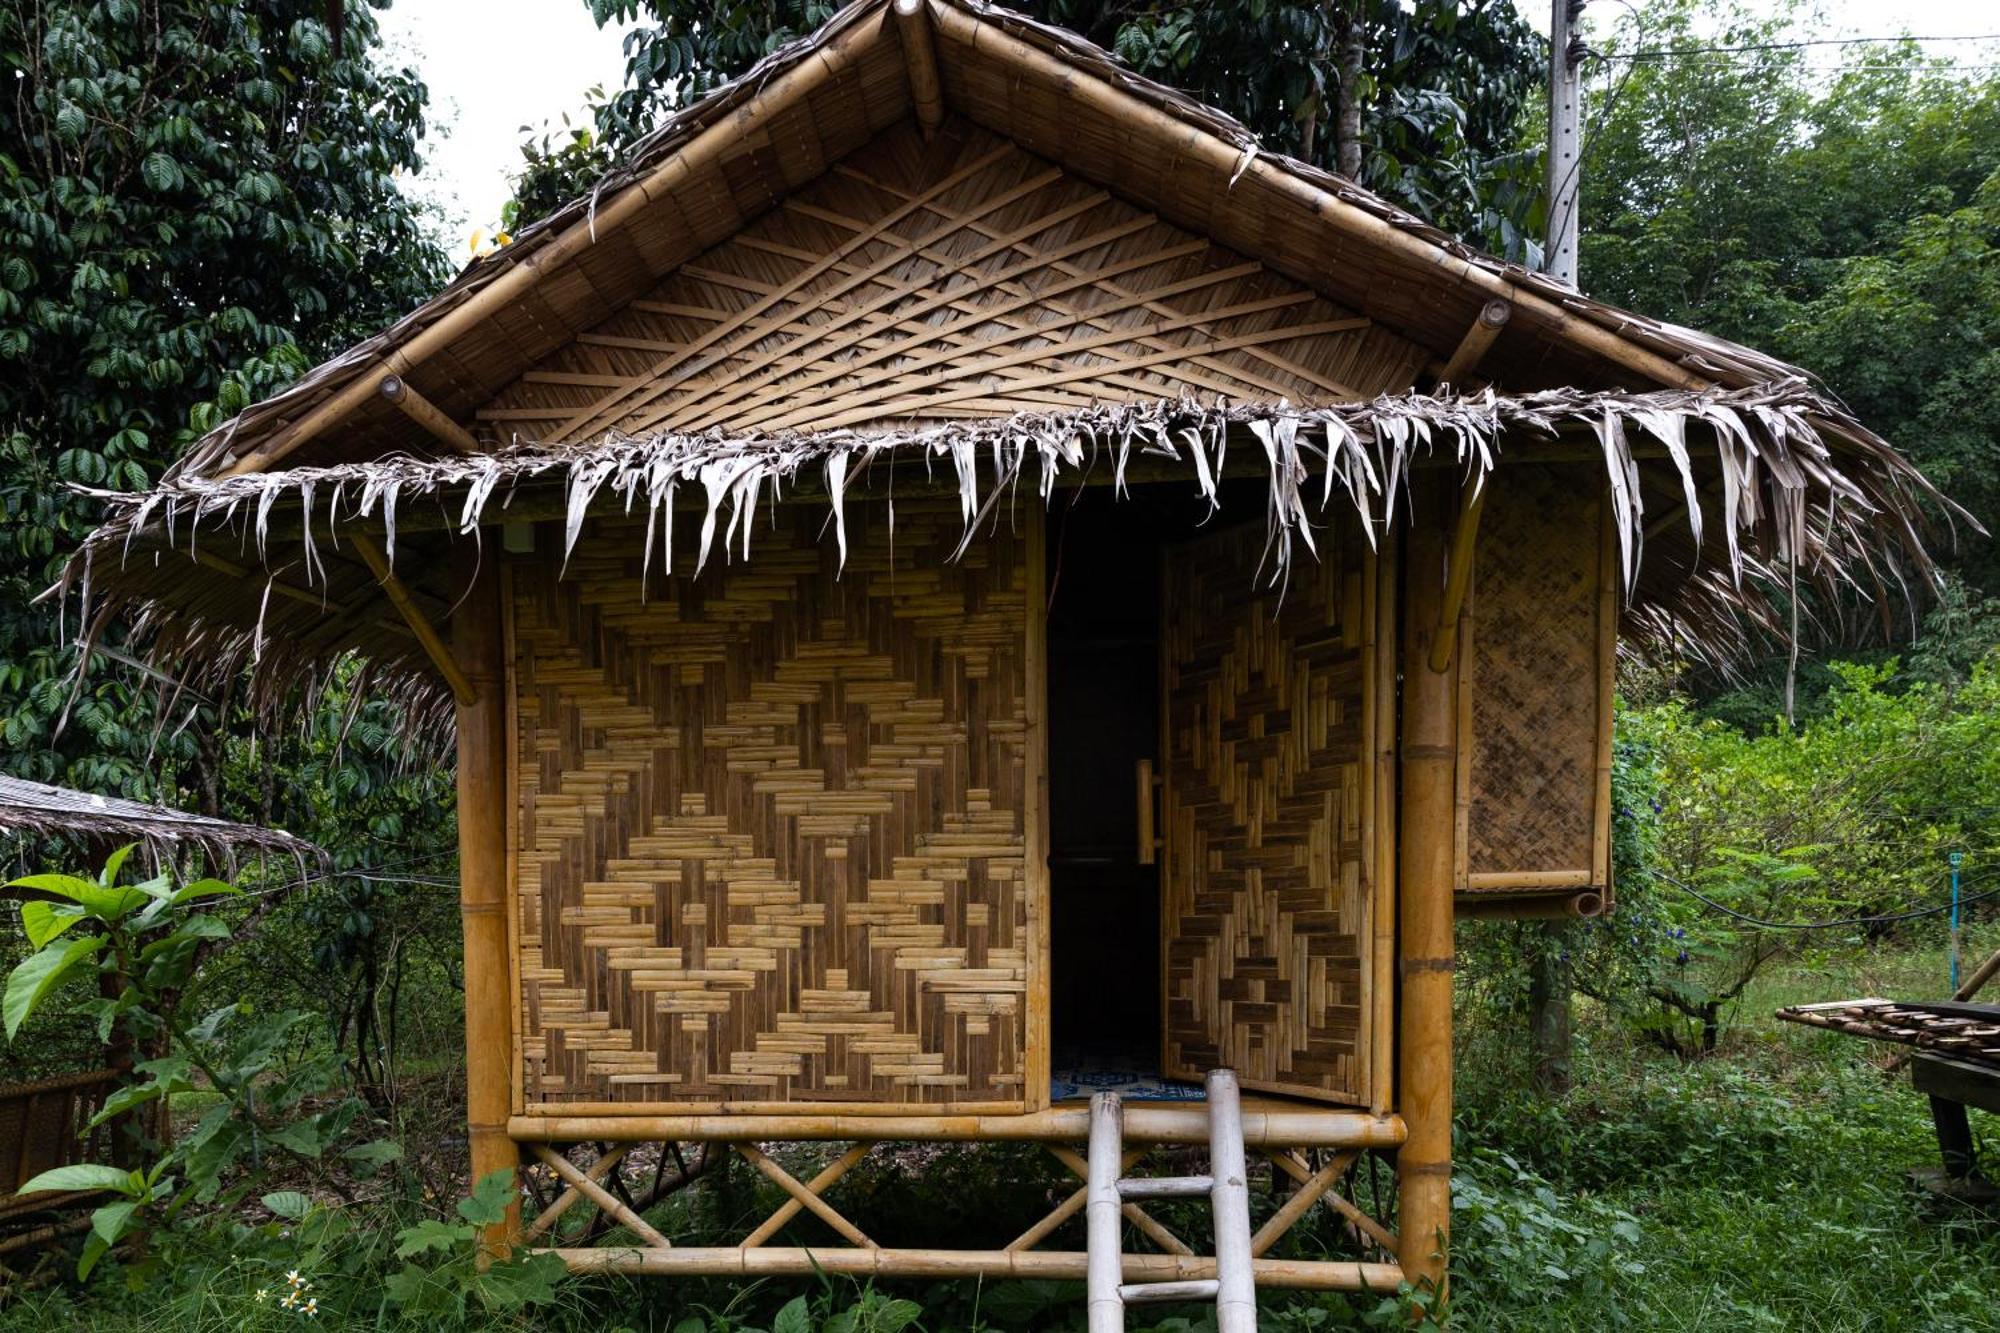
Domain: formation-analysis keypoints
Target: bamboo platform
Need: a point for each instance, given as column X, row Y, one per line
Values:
column 1965, row 1032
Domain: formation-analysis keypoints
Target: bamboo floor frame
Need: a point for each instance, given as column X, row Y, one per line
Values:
column 755, row 1256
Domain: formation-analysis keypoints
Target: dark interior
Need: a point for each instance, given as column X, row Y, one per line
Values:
column 1104, row 716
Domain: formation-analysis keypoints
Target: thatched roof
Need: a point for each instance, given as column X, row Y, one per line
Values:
column 1069, row 266
column 41, row 810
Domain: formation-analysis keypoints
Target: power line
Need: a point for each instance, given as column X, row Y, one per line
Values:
column 1676, row 52
column 1889, row 919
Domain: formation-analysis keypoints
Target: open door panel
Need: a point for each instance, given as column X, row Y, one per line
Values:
column 1264, row 759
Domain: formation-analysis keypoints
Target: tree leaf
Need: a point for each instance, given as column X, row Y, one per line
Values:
column 288, row 1204
column 43, row 921
column 795, row 1317
column 431, row 1234
column 83, row 1176
column 38, row 974
column 113, row 1219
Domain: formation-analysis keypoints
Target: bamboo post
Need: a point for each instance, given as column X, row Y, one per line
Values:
column 1104, row 1217
column 1236, row 1286
column 482, row 860
column 1427, row 820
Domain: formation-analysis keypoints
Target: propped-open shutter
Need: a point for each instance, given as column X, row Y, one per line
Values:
column 1264, row 759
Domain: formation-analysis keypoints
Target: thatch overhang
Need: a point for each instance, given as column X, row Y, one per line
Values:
column 40, row 810
column 942, row 233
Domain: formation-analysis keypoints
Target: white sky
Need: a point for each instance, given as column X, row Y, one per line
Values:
column 496, row 65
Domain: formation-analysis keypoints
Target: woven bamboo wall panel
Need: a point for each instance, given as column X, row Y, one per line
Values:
column 960, row 276
column 771, row 820
column 1265, row 748
column 1534, row 677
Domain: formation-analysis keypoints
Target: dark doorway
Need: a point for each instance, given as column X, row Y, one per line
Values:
column 1104, row 718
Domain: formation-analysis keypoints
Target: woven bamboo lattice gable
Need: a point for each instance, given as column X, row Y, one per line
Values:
column 935, row 280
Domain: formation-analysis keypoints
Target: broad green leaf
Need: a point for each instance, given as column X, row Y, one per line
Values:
column 84, row 1176
column 43, row 921
column 38, row 974
column 103, row 903
column 431, row 1234
column 795, row 1317
column 288, row 1204
column 113, row 1219
column 523, row 1283
column 491, row 1196
column 205, row 888
column 95, row 1247
column 114, row 864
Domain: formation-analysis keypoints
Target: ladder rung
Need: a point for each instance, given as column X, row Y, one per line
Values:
column 1165, row 1187
column 1158, row 1293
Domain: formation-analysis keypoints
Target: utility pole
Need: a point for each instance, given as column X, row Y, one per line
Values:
column 1565, row 165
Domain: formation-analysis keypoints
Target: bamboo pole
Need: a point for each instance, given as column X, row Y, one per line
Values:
column 1427, row 820
column 599, row 1169
column 428, row 638
column 1229, row 1199
column 428, row 415
column 1172, row 1123
column 482, row 862
column 1493, row 317
column 913, row 26
column 1104, row 1216
column 611, row 213
column 1056, row 1265
column 610, row 1204
column 818, row 1185
column 1205, row 151
column 804, row 1197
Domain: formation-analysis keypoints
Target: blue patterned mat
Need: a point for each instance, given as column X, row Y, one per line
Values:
column 1134, row 1085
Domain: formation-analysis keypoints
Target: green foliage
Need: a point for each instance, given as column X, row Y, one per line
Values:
column 1846, row 222
column 196, row 201
column 142, row 944
column 1439, row 90
column 454, row 1279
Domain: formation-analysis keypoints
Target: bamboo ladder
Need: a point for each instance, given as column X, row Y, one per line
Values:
column 1234, row 1287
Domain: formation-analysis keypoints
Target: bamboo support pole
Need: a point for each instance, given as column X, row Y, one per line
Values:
column 1157, row 1123
column 1206, row 152
column 1427, row 830
column 426, row 414
column 610, row 214
column 1458, row 573
column 806, row 1198
column 1064, row 1266
column 913, row 26
column 568, row 1198
column 1493, row 317
column 610, row 1204
column 818, row 1185
column 1975, row 983
column 1103, row 1214
column 482, row 894
column 433, row 644
column 1229, row 1200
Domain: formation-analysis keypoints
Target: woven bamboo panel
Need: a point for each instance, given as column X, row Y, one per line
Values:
column 957, row 277
column 1535, row 675
column 1265, row 913
column 771, row 819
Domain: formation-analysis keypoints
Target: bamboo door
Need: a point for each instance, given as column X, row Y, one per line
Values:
column 1264, row 747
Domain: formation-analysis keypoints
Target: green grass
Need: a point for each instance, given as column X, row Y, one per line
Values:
column 1762, row 1188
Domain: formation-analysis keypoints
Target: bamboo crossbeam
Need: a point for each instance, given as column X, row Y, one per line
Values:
column 564, row 1201
column 1309, row 1192
column 610, row 214
column 1069, row 1122
column 818, row 1185
column 1290, row 1164
column 1226, row 160
column 804, row 1196
column 420, row 625
column 426, row 414
column 1148, row 1225
column 609, row 1203
column 913, row 27
column 1069, row 1266
column 1493, row 317
column 1068, row 1208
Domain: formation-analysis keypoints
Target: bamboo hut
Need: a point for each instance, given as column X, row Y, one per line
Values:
column 952, row 568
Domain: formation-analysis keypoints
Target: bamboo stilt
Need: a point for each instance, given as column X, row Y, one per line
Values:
column 482, row 860
column 1428, row 821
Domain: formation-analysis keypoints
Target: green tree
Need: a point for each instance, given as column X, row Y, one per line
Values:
column 197, row 199
column 1420, row 101
column 1845, row 220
